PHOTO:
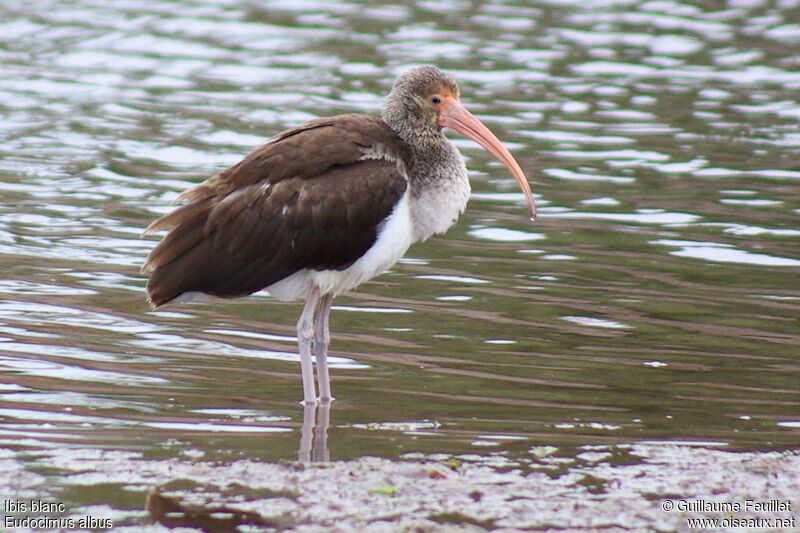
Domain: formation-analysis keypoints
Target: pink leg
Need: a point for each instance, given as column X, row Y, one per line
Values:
column 305, row 333
column 322, row 338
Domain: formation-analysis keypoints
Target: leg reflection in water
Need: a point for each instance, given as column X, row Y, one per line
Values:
column 314, row 437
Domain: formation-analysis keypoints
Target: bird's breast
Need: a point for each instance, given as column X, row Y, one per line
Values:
column 436, row 205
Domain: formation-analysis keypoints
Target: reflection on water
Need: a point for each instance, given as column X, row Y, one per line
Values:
column 656, row 298
column 314, row 433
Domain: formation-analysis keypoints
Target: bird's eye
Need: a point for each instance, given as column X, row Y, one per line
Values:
column 435, row 100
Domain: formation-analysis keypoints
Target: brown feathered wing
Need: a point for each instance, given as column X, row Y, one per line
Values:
column 313, row 197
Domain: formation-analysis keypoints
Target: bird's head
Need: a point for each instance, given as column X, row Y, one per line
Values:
column 414, row 106
column 424, row 100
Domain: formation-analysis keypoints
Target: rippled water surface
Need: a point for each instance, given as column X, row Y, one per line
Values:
column 655, row 299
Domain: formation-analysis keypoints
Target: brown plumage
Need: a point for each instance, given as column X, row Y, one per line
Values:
column 278, row 211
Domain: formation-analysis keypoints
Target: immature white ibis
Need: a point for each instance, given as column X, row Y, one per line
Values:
column 321, row 208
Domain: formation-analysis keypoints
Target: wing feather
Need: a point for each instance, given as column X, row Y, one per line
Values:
column 307, row 199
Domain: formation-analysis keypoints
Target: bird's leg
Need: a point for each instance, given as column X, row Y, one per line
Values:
column 322, row 338
column 305, row 333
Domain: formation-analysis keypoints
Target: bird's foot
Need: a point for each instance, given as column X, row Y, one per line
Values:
column 317, row 401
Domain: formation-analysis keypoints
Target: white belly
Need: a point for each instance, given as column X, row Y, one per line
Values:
column 394, row 238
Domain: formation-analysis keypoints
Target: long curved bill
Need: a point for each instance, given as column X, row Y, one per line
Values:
column 455, row 116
